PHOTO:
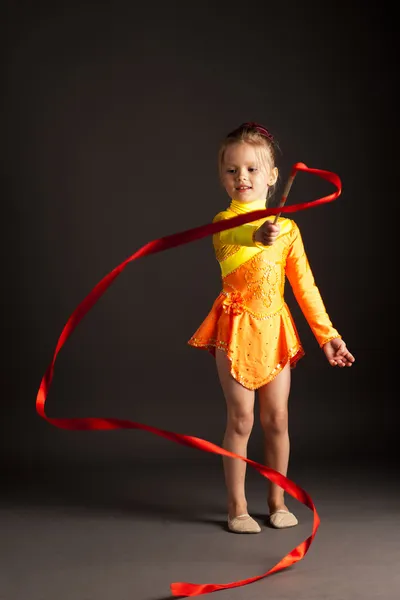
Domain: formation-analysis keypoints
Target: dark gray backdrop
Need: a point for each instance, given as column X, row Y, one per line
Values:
column 112, row 118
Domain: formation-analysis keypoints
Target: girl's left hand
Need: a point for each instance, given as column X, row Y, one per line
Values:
column 337, row 354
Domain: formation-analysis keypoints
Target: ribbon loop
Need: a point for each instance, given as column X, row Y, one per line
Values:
column 85, row 424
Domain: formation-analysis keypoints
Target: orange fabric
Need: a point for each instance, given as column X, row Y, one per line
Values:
column 250, row 320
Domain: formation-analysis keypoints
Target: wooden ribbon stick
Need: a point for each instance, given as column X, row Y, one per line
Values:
column 287, row 188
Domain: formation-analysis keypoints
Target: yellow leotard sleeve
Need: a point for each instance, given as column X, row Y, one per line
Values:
column 237, row 236
column 235, row 246
column 306, row 292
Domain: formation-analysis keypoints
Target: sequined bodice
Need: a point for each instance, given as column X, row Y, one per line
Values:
column 257, row 286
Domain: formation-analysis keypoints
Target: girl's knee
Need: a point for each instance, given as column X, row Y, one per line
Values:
column 241, row 424
column 274, row 422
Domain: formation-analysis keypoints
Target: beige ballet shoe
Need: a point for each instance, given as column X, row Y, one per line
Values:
column 243, row 524
column 280, row 519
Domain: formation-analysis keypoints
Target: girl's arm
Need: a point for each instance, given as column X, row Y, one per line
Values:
column 259, row 233
column 237, row 236
column 306, row 292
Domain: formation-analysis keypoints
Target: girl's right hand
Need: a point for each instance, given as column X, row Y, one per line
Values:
column 267, row 233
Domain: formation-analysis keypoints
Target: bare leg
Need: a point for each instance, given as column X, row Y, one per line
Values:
column 273, row 400
column 240, row 419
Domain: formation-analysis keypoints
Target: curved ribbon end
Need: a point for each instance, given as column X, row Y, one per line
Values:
column 299, row 166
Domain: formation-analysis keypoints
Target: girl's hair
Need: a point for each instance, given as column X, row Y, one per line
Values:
column 256, row 135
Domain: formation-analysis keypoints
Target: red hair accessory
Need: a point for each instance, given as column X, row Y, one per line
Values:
column 260, row 129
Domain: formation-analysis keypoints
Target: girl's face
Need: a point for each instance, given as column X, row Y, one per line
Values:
column 247, row 172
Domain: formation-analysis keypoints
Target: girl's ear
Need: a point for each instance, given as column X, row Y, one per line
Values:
column 273, row 176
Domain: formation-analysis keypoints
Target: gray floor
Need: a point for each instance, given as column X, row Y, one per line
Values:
column 108, row 534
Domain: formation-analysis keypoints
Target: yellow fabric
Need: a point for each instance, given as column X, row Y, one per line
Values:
column 235, row 246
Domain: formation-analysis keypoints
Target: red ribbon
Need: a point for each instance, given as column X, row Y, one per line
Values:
column 177, row 239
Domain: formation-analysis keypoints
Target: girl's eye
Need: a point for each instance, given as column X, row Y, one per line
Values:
column 251, row 169
column 230, row 170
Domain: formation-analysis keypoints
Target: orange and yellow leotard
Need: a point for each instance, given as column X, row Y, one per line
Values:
column 250, row 320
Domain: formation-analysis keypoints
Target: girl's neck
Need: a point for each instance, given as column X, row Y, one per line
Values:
column 245, row 207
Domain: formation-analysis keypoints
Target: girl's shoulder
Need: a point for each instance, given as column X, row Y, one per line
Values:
column 288, row 226
column 224, row 214
column 285, row 220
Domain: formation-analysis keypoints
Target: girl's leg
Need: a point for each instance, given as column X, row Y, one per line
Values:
column 273, row 402
column 240, row 419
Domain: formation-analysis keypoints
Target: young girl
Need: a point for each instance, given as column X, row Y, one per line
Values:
column 249, row 329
